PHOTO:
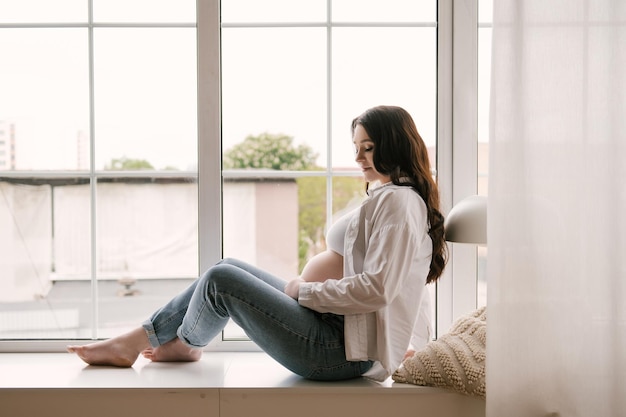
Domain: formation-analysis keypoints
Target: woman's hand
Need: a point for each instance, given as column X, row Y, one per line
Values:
column 292, row 288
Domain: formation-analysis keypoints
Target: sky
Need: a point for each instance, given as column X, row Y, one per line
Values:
column 274, row 79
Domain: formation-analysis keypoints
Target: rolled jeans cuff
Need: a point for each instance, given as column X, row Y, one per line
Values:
column 151, row 333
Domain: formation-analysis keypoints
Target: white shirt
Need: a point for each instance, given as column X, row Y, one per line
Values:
column 386, row 261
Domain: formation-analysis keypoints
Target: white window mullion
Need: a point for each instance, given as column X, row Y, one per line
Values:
column 457, row 146
column 209, row 134
column 93, row 181
column 210, row 231
column 329, row 113
column 444, row 148
column 465, row 145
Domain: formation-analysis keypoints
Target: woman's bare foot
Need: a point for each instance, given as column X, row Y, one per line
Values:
column 120, row 351
column 173, row 351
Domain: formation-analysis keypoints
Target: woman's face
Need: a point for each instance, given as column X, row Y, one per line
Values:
column 364, row 149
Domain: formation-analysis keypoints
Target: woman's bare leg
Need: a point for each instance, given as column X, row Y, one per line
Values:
column 172, row 351
column 119, row 351
column 123, row 350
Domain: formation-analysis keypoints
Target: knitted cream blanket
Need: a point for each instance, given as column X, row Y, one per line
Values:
column 455, row 360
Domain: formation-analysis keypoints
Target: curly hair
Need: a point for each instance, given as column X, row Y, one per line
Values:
column 401, row 153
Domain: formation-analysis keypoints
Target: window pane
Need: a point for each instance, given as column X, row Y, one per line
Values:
column 71, row 216
column 44, row 243
column 147, row 228
column 348, row 193
column 312, row 216
column 26, row 239
column 250, row 11
column 147, row 246
column 261, row 223
column 140, row 11
column 45, row 97
column 485, row 11
column 7, row 145
column 145, row 98
column 403, row 73
column 384, row 11
column 274, row 81
column 43, row 11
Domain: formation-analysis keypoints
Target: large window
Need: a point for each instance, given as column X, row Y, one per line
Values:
column 140, row 141
column 98, row 190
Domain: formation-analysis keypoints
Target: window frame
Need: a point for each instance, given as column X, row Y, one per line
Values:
column 457, row 147
column 457, row 82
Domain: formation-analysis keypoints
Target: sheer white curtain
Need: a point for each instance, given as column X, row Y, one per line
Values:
column 557, row 210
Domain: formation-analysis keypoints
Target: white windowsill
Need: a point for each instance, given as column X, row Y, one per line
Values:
column 221, row 384
column 214, row 370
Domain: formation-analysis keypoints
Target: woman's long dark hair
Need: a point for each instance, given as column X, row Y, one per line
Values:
column 400, row 152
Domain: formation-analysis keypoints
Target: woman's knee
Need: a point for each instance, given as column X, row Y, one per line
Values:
column 219, row 274
column 227, row 261
column 232, row 275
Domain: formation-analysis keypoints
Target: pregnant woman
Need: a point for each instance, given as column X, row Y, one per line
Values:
column 356, row 307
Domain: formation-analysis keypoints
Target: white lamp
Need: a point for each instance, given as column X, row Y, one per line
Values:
column 467, row 221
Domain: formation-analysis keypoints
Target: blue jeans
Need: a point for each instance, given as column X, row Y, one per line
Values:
column 308, row 343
